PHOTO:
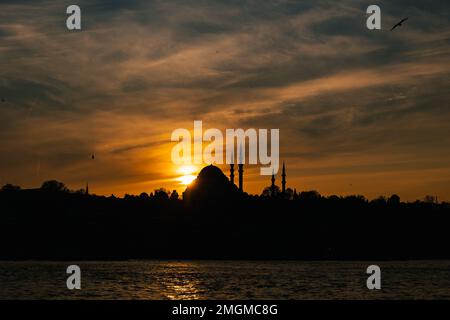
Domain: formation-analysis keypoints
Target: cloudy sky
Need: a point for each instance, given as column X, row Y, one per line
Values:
column 359, row 111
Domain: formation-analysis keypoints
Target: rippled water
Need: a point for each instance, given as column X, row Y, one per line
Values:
column 225, row 280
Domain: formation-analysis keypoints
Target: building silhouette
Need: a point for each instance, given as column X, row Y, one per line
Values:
column 274, row 191
column 211, row 186
column 232, row 173
column 232, row 168
column 273, row 187
column 241, row 169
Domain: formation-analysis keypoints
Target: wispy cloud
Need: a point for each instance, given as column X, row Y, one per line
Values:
column 346, row 98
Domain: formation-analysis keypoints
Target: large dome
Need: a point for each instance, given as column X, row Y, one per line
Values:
column 211, row 185
column 212, row 174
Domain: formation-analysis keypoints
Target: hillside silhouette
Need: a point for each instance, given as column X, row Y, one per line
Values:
column 217, row 220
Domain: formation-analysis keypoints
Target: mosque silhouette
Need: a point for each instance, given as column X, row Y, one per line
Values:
column 212, row 184
column 217, row 219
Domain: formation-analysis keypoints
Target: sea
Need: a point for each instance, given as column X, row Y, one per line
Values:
column 202, row 279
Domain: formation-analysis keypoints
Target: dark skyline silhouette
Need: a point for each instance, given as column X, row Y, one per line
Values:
column 216, row 220
column 212, row 182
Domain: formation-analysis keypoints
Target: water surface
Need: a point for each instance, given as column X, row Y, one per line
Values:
column 225, row 280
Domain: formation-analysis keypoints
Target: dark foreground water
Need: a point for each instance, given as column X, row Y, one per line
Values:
column 225, row 280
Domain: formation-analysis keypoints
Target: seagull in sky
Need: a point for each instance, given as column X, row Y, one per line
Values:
column 399, row 24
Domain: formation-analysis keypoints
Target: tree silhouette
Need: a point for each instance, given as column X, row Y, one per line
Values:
column 271, row 192
column 380, row 201
column 174, row 195
column 10, row 187
column 305, row 226
column 54, row 186
column 393, row 200
column 161, row 194
column 309, row 196
column 144, row 195
column 430, row 199
column 289, row 194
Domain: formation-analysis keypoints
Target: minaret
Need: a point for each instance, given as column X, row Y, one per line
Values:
column 232, row 168
column 87, row 188
column 283, row 180
column 241, row 169
column 272, row 187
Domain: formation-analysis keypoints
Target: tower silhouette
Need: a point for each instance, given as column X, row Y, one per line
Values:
column 232, row 168
column 241, row 169
column 241, row 176
column 232, row 173
column 283, row 180
column 273, row 187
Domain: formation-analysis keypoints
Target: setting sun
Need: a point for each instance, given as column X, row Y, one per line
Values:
column 188, row 174
column 187, row 179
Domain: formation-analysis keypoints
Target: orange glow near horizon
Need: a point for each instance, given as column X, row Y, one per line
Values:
column 188, row 174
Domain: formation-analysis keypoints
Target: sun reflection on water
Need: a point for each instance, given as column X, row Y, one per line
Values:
column 183, row 284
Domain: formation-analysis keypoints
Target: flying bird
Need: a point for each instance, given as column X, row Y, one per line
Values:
column 399, row 24
column 92, row 157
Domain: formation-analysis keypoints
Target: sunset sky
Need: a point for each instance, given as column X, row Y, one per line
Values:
column 359, row 111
